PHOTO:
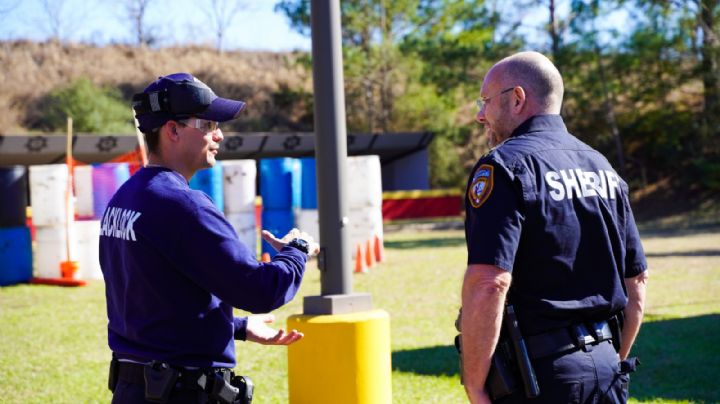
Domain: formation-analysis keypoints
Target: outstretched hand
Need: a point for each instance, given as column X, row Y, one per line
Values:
column 259, row 331
column 279, row 243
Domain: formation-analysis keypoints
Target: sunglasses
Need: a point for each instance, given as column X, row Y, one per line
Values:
column 201, row 124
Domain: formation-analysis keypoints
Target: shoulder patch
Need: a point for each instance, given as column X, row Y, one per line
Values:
column 481, row 185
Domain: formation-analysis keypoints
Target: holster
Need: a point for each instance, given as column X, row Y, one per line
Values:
column 113, row 374
column 616, row 324
column 501, row 380
column 160, row 379
column 226, row 388
column 507, row 369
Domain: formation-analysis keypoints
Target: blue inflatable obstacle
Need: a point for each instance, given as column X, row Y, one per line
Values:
column 308, row 193
column 280, row 189
column 210, row 181
column 280, row 183
column 15, row 255
column 106, row 180
column 277, row 222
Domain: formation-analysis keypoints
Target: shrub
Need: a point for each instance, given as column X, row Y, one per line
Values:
column 93, row 109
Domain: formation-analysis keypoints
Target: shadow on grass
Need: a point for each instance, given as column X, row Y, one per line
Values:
column 432, row 361
column 697, row 253
column 426, row 243
column 680, row 360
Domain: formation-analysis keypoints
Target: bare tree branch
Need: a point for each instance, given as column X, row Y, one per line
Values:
column 54, row 12
column 221, row 14
column 135, row 10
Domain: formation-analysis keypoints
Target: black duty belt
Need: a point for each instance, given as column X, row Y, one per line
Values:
column 160, row 379
column 580, row 336
column 187, row 378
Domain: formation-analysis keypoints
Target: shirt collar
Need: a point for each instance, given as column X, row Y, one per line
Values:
column 541, row 123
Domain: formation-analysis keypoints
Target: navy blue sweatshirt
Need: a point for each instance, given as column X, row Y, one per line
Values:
column 174, row 268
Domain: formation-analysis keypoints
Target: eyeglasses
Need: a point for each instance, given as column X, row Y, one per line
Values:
column 483, row 100
column 201, row 124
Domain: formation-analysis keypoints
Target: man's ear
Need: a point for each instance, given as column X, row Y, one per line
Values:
column 171, row 130
column 520, row 99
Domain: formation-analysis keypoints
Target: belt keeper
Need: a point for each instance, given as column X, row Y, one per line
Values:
column 578, row 337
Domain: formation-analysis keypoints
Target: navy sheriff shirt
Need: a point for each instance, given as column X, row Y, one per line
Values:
column 552, row 211
column 174, row 269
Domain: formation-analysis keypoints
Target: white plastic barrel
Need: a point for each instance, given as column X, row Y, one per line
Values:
column 245, row 227
column 364, row 225
column 48, row 184
column 82, row 176
column 307, row 220
column 239, row 185
column 364, row 178
column 50, row 250
column 86, row 251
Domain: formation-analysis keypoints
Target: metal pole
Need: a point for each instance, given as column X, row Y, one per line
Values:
column 330, row 147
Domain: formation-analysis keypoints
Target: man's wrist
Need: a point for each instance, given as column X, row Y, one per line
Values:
column 240, row 328
column 299, row 244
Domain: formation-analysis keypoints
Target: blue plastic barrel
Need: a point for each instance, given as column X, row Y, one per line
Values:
column 280, row 183
column 210, row 181
column 13, row 195
column 15, row 255
column 308, row 193
column 107, row 179
column 277, row 222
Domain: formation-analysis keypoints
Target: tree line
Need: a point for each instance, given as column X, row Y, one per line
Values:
column 644, row 88
column 645, row 91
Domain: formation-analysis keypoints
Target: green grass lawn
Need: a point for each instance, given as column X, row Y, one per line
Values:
column 53, row 340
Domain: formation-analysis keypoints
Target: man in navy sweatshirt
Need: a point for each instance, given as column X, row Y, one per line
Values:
column 174, row 268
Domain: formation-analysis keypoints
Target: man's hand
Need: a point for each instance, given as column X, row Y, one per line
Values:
column 483, row 296
column 478, row 397
column 258, row 331
column 279, row 243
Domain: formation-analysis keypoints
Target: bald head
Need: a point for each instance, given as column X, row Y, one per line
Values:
column 537, row 75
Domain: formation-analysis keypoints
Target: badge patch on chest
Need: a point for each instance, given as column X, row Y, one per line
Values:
column 481, row 185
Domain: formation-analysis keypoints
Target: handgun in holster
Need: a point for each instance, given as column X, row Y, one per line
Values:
column 510, row 361
column 501, row 380
column 226, row 388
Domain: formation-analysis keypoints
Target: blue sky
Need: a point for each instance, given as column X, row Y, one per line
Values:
column 180, row 22
column 256, row 27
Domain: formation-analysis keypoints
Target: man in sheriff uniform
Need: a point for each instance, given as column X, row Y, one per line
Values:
column 550, row 231
column 174, row 268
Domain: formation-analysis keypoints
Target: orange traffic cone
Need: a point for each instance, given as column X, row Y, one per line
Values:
column 369, row 256
column 265, row 257
column 360, row 266
column 379, row 250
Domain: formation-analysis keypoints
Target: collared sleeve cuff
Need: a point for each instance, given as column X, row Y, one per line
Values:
column 240, row 327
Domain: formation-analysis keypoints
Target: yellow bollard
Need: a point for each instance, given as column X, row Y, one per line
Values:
column 344, row 358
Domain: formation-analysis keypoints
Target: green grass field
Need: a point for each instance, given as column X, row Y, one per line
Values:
column 53, row 340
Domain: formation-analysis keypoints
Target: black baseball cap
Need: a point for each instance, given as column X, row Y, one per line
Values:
column 181, row 96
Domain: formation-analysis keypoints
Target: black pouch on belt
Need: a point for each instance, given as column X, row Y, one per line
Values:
column 160, row 380
column 113, row 374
